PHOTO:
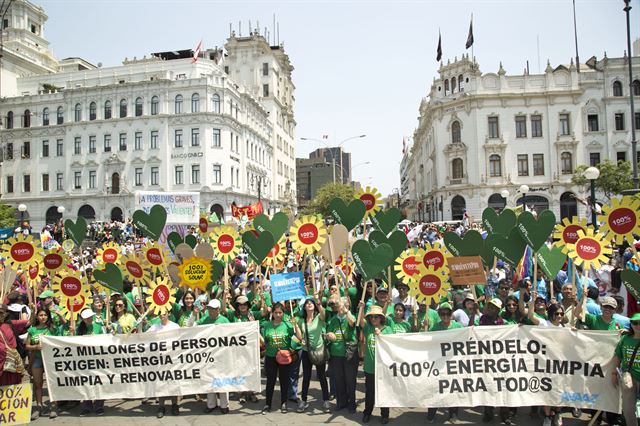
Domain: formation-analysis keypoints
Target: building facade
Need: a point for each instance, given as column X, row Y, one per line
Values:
column 311, row 175
column 480, row 134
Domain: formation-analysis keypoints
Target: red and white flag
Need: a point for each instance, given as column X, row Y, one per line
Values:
column 196, row 53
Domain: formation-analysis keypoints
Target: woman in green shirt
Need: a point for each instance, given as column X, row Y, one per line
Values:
column 511, row 314
column 397, row 321
column 89, row 327
column 186, row 310
column 622, row 357
column 42, row 325
column 122, row 321
column 276, row 335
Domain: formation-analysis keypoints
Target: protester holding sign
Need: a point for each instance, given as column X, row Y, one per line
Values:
column 627, row 372
column 183, row 312
column 122, row 321
column 397, row 320
column 88, row 327
column 469, row 314
column 511, row 314
column 11, row 365
column 604, row 321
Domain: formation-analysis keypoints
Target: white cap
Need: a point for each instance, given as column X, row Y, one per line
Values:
column 215, row 304
column 87, row 313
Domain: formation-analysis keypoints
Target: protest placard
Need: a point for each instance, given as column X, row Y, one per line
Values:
column 500, row 366
column 182, row 207
column 212, row 358
column 287, row 286
column 15, row 404
column 466, row 270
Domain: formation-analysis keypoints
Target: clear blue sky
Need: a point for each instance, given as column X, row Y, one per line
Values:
column 360, row 66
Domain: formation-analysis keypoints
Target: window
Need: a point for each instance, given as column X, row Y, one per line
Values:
column 60, row 115
column 26, row 118
column 460, row 86
column 178, row 104
column 216, row 138
column 155, row 103
column 154, row 139
column 232, row 176
column 45, row 117
column 77, row 177
column 594, row 159
column 59, row 148
column 621, row 156
column 637, row 114
column 155, row 175
column 76, row 145
column 536, row 126
column 9, row 150
column 195, row 137
column 123, row 142
column 138, row 107
column 494, row 130
column 566, row 161
column 564, row 125
column 457, row 168
column 9, row 184
column 123, row 108
column 523, row 165
column 619, row 120
column 636, row 87
column 137, row 142
column 107, row 110
column 92, row 144
column 238, row 177
column 538, row 164
column 265, row 68
column 9, row 120
column 45, row 148
column 215, row 103
column 45, row 182
column 179, row 175
column 592, row 123
column 453, row 84
column 617, row 88
column 26, row 150
column 195, row 173
column 77, row 113
column 107, row 143
column 455, row 132
column 92, row 179
column 521, row 126
column 195, row 103
column 265, row 90
column 92, row 111
column 495, row 168
column 178, row 138
column 217, row 173
column 446, row 87
column 26, row 183
column 58, row 181
column 138, row 176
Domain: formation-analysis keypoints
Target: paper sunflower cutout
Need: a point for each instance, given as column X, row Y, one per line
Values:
column 308, row 234
column 226, row 242
column 622, row 219
column 567, row 232
column 162, row 297
column 195, row 273
column 429, row 284
column 135, row 269
column 109, row 253
column 277, row 253
column 371, row 199
column 22, row 251
column 53, row 260
column 71, row 308
column 435, row 255
column 70, row 285
column 590, row 250
column 155, row 255
column 407, row 264
column 203, row 225
column 33, row 273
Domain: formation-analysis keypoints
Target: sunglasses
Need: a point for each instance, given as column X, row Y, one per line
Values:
column 119, row 305
column 559, row 314
column 511, row 305
column 635, row 322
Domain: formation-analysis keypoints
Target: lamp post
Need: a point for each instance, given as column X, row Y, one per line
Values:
column 592, row 173
column 21, row 208
column 333, row 157
column 505, row 194
column 61, row 210
column 634, row 143
column 523, row 190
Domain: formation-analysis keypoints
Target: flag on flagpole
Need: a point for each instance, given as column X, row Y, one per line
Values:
column 439, row 51
column 470, row 36
column 223, row 54
column 404, row 146
column 196, row 53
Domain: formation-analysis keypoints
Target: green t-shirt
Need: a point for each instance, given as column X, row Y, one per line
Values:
column 527, row 321
column 370, row 303
column 206, row 319
column 276, row 337
column 337, row 326
column 398, row 327
column 315, row 329
column 34, row 336
column 183, row 318
column 595, row 322
column 434, row 318
column 508, row 320
column 440, row 326
column 370, row 346
column 94, row 329
column 624, row 351
column 232, row 317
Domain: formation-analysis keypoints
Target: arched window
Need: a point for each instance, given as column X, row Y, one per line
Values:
column 87, row 212
column 45, row 117
column 568, row 205
column 155, row 103
column 60, row 115
column 453, row 84
column 195, row 103
column 455, row 132
column 617, row 88
column 26, row 119
column 123, row 108
column 10, row 120
column 107, row 110
column 457, row 169
column 215, row 103
column 496, row 202
column 446, row 87
column 138, row 107
column 77, row 113
column 566, row 161
column 178, row 104
column 636, row 87
column 458, row 206
column 116, row 214
column 460, row 86
column 495, row 165
column 92, row 111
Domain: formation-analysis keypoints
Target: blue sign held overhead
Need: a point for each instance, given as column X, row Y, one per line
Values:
column 288, row 286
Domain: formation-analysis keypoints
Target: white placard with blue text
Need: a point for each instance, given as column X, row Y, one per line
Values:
column 288, row 286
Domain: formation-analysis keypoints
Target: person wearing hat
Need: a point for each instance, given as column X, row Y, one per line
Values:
column 9, row 332
column 89, row 327
column 422, row 317
column 604, row 321
column 469, row 314
column 382, row 300
column 623, row 354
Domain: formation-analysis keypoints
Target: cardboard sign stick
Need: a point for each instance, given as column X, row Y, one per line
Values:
column 585, row 272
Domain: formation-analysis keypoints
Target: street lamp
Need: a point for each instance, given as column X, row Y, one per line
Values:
column 333, row 157
column 22, row 208
column 259, row 179
column 634, row 143
column 592, row 173
column 505, row 194
column 523, row 190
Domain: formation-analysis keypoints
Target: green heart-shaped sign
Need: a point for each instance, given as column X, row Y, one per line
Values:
column 191, row 240
column 369, row 261
column 349, row 216
column 110, row 277
column 550, row 260
column 501, row 223
column 173, row 239
column 257, row 247
column 76, row 231
column 397, row 240
column 386, row 220
column 277, row 225
column 536, row 231
column 632, row 280
column 509, row 248
column 152, row 224
column 217, row 269
column 472, row 244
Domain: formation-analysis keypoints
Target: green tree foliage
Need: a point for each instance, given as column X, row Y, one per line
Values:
column 614, row 178
column 320, row 204
column 7, row 216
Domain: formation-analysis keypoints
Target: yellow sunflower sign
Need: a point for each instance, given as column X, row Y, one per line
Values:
column 429, row 284
column 195, row 273
column 155, row 255
column 435, row 255
column 72, row 290
column 308, row 234
column 590, row 250
column 622, row 219
column 226, row 242
column 109, row 253
column 276, row 254
column 53, row 260
column 22, row 251
column 70, row 308
column 135, row 269
column 162, row 296
column 567, row 232
column 407, row 264
column 371, row 199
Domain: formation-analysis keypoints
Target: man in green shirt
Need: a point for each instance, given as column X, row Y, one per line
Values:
column 604, row 321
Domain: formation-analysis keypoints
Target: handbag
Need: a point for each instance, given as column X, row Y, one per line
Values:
column 13, row 361
column 284, row 356
column 350, row 348
column 626, row 379
column 319, row 355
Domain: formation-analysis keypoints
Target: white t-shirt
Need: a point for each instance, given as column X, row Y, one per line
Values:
column 159, row 327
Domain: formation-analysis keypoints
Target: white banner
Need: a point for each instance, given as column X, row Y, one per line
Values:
column 182, row 207
column 210, row 358
column 502, row 366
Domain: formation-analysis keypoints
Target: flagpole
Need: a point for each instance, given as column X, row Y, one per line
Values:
column 473, row 56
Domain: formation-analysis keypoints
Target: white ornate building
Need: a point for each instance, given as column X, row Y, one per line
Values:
column 87, row 138
column 482, row 133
